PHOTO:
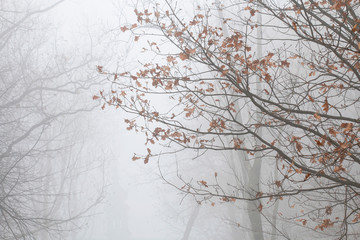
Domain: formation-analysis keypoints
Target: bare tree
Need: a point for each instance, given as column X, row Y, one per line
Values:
column 40, row 86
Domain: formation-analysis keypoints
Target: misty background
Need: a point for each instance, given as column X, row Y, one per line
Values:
column 67, row 169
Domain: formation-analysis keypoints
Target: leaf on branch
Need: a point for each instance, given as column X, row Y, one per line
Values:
column 170, row 59
column 193, row 22
column 183, row 56
column 285, row 63
column 189, row 111
column 326, row 223
column 190, row 51
column 267, row 77
column 99, row 69
column 146, row 160
column 95, row 97
column 311, row 99
column 328, row 210
column 339, row 168
column 303, row 221
column 237, row 143
column 347, row 126
column 204, row 183
column 260, row 207
column 354, row 28
column 200, row 15
column 326, row 105
column 333, row 132
column 124, row 28
column 294, row 26
column 317, row 116
column 278, row 183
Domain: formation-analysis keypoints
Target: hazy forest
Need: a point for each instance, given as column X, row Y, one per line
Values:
column 184, row 120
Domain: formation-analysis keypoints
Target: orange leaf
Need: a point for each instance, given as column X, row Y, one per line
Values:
column 354, row 28
column 95, row 97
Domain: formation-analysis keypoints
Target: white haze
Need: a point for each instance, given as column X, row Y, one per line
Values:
column 136, row 200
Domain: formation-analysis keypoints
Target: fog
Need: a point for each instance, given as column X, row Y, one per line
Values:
column 80, row 159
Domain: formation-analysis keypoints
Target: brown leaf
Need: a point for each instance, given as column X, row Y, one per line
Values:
column 190, row 51
column 204, row 183
column 311, row 99
column 326, row 105
column 183, row 56
column 294, row 26
column 146, row 160
column 298, row 146
column 317, row 116
column 347, row 126
column 328, row 210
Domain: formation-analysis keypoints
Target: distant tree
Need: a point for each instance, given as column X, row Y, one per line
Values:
column 39, row 165
column 294, row 106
